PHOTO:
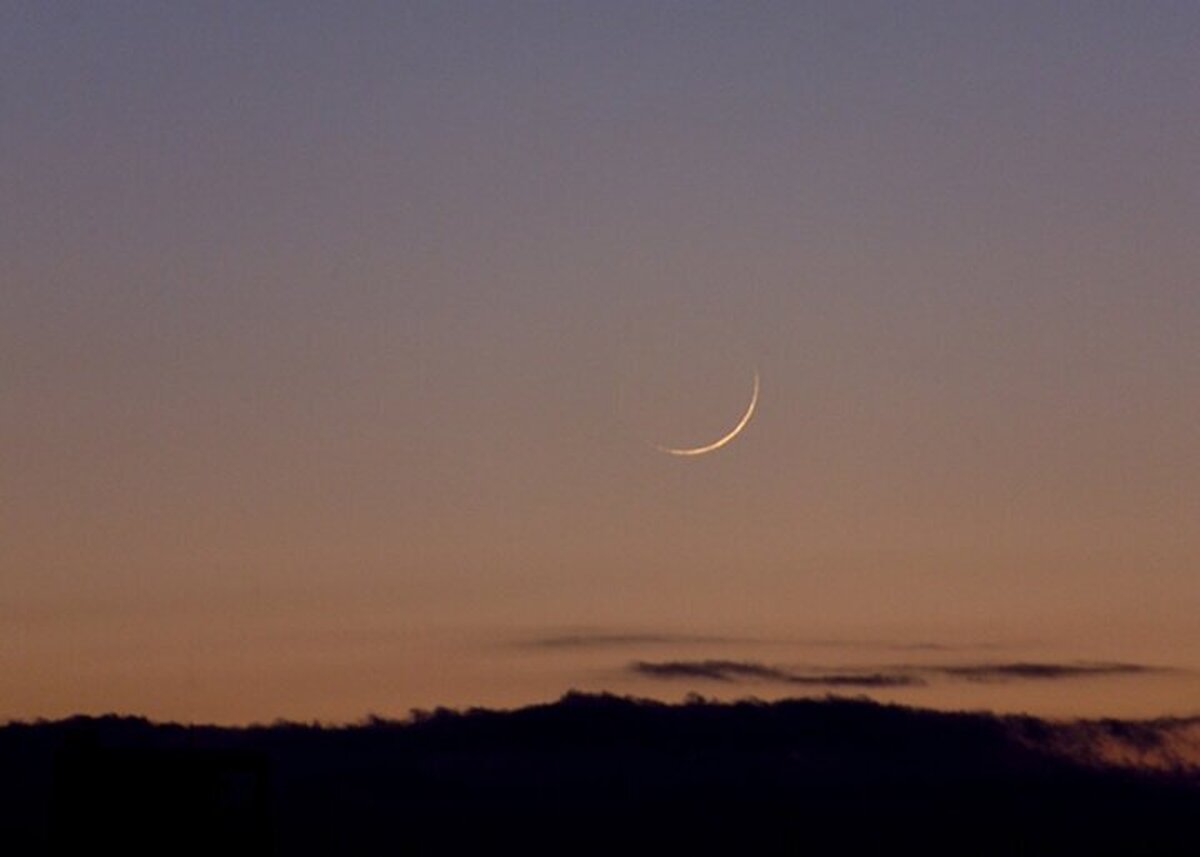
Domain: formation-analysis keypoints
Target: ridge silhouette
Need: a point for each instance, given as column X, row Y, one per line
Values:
column 588, row 774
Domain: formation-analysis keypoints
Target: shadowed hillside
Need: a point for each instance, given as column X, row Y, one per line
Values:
column 593, row 774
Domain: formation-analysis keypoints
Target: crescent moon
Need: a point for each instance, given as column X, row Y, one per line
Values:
column 720, row 442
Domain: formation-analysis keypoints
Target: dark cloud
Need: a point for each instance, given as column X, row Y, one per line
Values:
column 871, row 679
column 716, row 670
column 1036, row 670
column 885, row 676
column 901, row 646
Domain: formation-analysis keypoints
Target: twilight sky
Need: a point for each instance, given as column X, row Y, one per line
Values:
column 335, row 340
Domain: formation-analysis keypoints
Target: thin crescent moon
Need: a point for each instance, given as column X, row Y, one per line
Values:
column 717, row 444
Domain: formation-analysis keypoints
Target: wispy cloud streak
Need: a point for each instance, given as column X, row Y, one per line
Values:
column 1033, row 670
column 728, row 671
column 881, row 676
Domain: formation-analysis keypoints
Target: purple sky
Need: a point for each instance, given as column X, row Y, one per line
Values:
column 335, row 341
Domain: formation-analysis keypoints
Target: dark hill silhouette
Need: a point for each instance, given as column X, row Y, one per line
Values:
column 588, row 774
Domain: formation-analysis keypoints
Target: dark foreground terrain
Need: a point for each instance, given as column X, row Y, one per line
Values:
column 591, row 774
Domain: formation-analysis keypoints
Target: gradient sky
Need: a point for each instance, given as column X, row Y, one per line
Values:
column 335, row 340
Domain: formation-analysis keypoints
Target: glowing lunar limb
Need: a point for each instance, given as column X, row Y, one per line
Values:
column 717, row 444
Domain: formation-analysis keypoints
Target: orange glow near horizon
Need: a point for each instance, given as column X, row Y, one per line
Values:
column 330, row 346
